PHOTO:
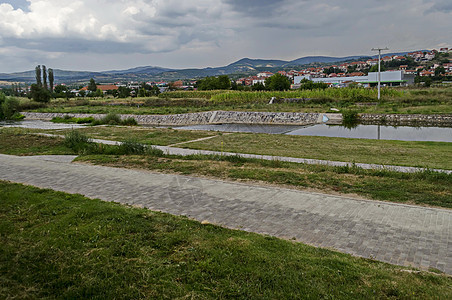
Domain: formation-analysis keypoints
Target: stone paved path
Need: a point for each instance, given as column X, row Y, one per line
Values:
column 394, row 233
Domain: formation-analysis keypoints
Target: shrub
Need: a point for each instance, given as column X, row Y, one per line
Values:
column 152, row 151
column 10, row 109
column 131, row 147
column 350, row 119
column 129, row 122
column 77, row 141
column 111, row 119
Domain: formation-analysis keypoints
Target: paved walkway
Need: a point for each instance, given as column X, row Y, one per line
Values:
column 394, row 233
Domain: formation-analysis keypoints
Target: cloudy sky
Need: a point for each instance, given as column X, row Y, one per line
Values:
column 117, row 34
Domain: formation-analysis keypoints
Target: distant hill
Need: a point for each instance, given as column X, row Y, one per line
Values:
column 144, row 73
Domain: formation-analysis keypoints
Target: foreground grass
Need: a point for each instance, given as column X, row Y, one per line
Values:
column 417, row 154
column 57, row 245
column 424, row 188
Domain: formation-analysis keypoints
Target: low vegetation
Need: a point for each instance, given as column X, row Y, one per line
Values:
column 423, row 188
column 386, row 152
column 82, row 144
column 109, row 119
column 57, row 245
column 9, row 108
column 401, row 101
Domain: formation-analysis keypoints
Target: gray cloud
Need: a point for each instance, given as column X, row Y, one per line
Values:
column 444, row 6
column 105, row 34
column 256, row 8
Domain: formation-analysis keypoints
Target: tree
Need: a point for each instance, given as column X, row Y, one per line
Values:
column 310, row 85
column 61, row 91
column 439, row 71
column 221, row 82
column 44, row 77
column 38, row 75
column 224, row 83
column 2, row 100
column 39, row 94
column 277, row 82
column 123, row 92
column 142, row 92
column 51, row 80
column 98, row 93
column 258, row 87
column 10, row 109
column 375, row 68
column 92, row 86
column 155, row 90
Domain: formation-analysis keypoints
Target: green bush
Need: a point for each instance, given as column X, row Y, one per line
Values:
column 9, row 107
column 77, row 141
column 129, row 122
column 111, row 119
column 131, row 147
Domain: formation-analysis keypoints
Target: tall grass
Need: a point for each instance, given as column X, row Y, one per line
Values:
column 191, row 94
column 332, row 94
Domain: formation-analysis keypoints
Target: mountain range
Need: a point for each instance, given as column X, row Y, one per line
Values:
column 243, row 66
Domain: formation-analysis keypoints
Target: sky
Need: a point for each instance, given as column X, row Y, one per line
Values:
column 99, row 35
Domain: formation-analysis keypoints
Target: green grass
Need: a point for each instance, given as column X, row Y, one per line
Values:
column 423, row 154
column 57, row 245
column 15, row 141
column 150, row 136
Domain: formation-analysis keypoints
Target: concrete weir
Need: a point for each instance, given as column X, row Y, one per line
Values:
column 212, row 117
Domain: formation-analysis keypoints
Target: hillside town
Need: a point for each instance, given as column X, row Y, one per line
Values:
column 419, row 67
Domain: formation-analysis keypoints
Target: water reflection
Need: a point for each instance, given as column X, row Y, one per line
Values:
column 402, row 133
column 39, row 124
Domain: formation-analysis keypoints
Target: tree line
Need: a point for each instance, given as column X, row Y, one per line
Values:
column 42, row 90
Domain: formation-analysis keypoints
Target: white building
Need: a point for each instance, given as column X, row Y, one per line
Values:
column 388, row 78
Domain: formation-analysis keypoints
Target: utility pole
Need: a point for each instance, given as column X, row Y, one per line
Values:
column 379, row 68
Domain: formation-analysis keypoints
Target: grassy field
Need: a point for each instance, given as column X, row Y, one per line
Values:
column 422, row 154
column 15, row 141
column 57, row 245
column 418, row 101
column 417, row 154
column 426, row 188
column 149, row 136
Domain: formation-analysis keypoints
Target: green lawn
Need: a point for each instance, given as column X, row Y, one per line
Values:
column 424, row 154
column 57, row 245
column 16, row 141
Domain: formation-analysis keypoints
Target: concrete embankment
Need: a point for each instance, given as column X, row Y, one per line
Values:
column 212, row 117
column 407, row 119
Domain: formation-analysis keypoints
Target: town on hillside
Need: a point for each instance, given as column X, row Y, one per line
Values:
column 419, row 67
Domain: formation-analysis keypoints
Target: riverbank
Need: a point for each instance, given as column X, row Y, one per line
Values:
column 262, row 118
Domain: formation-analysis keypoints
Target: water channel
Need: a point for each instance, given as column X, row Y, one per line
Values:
column 401, row 133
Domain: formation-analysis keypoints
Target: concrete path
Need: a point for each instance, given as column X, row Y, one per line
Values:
column 394, row 233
